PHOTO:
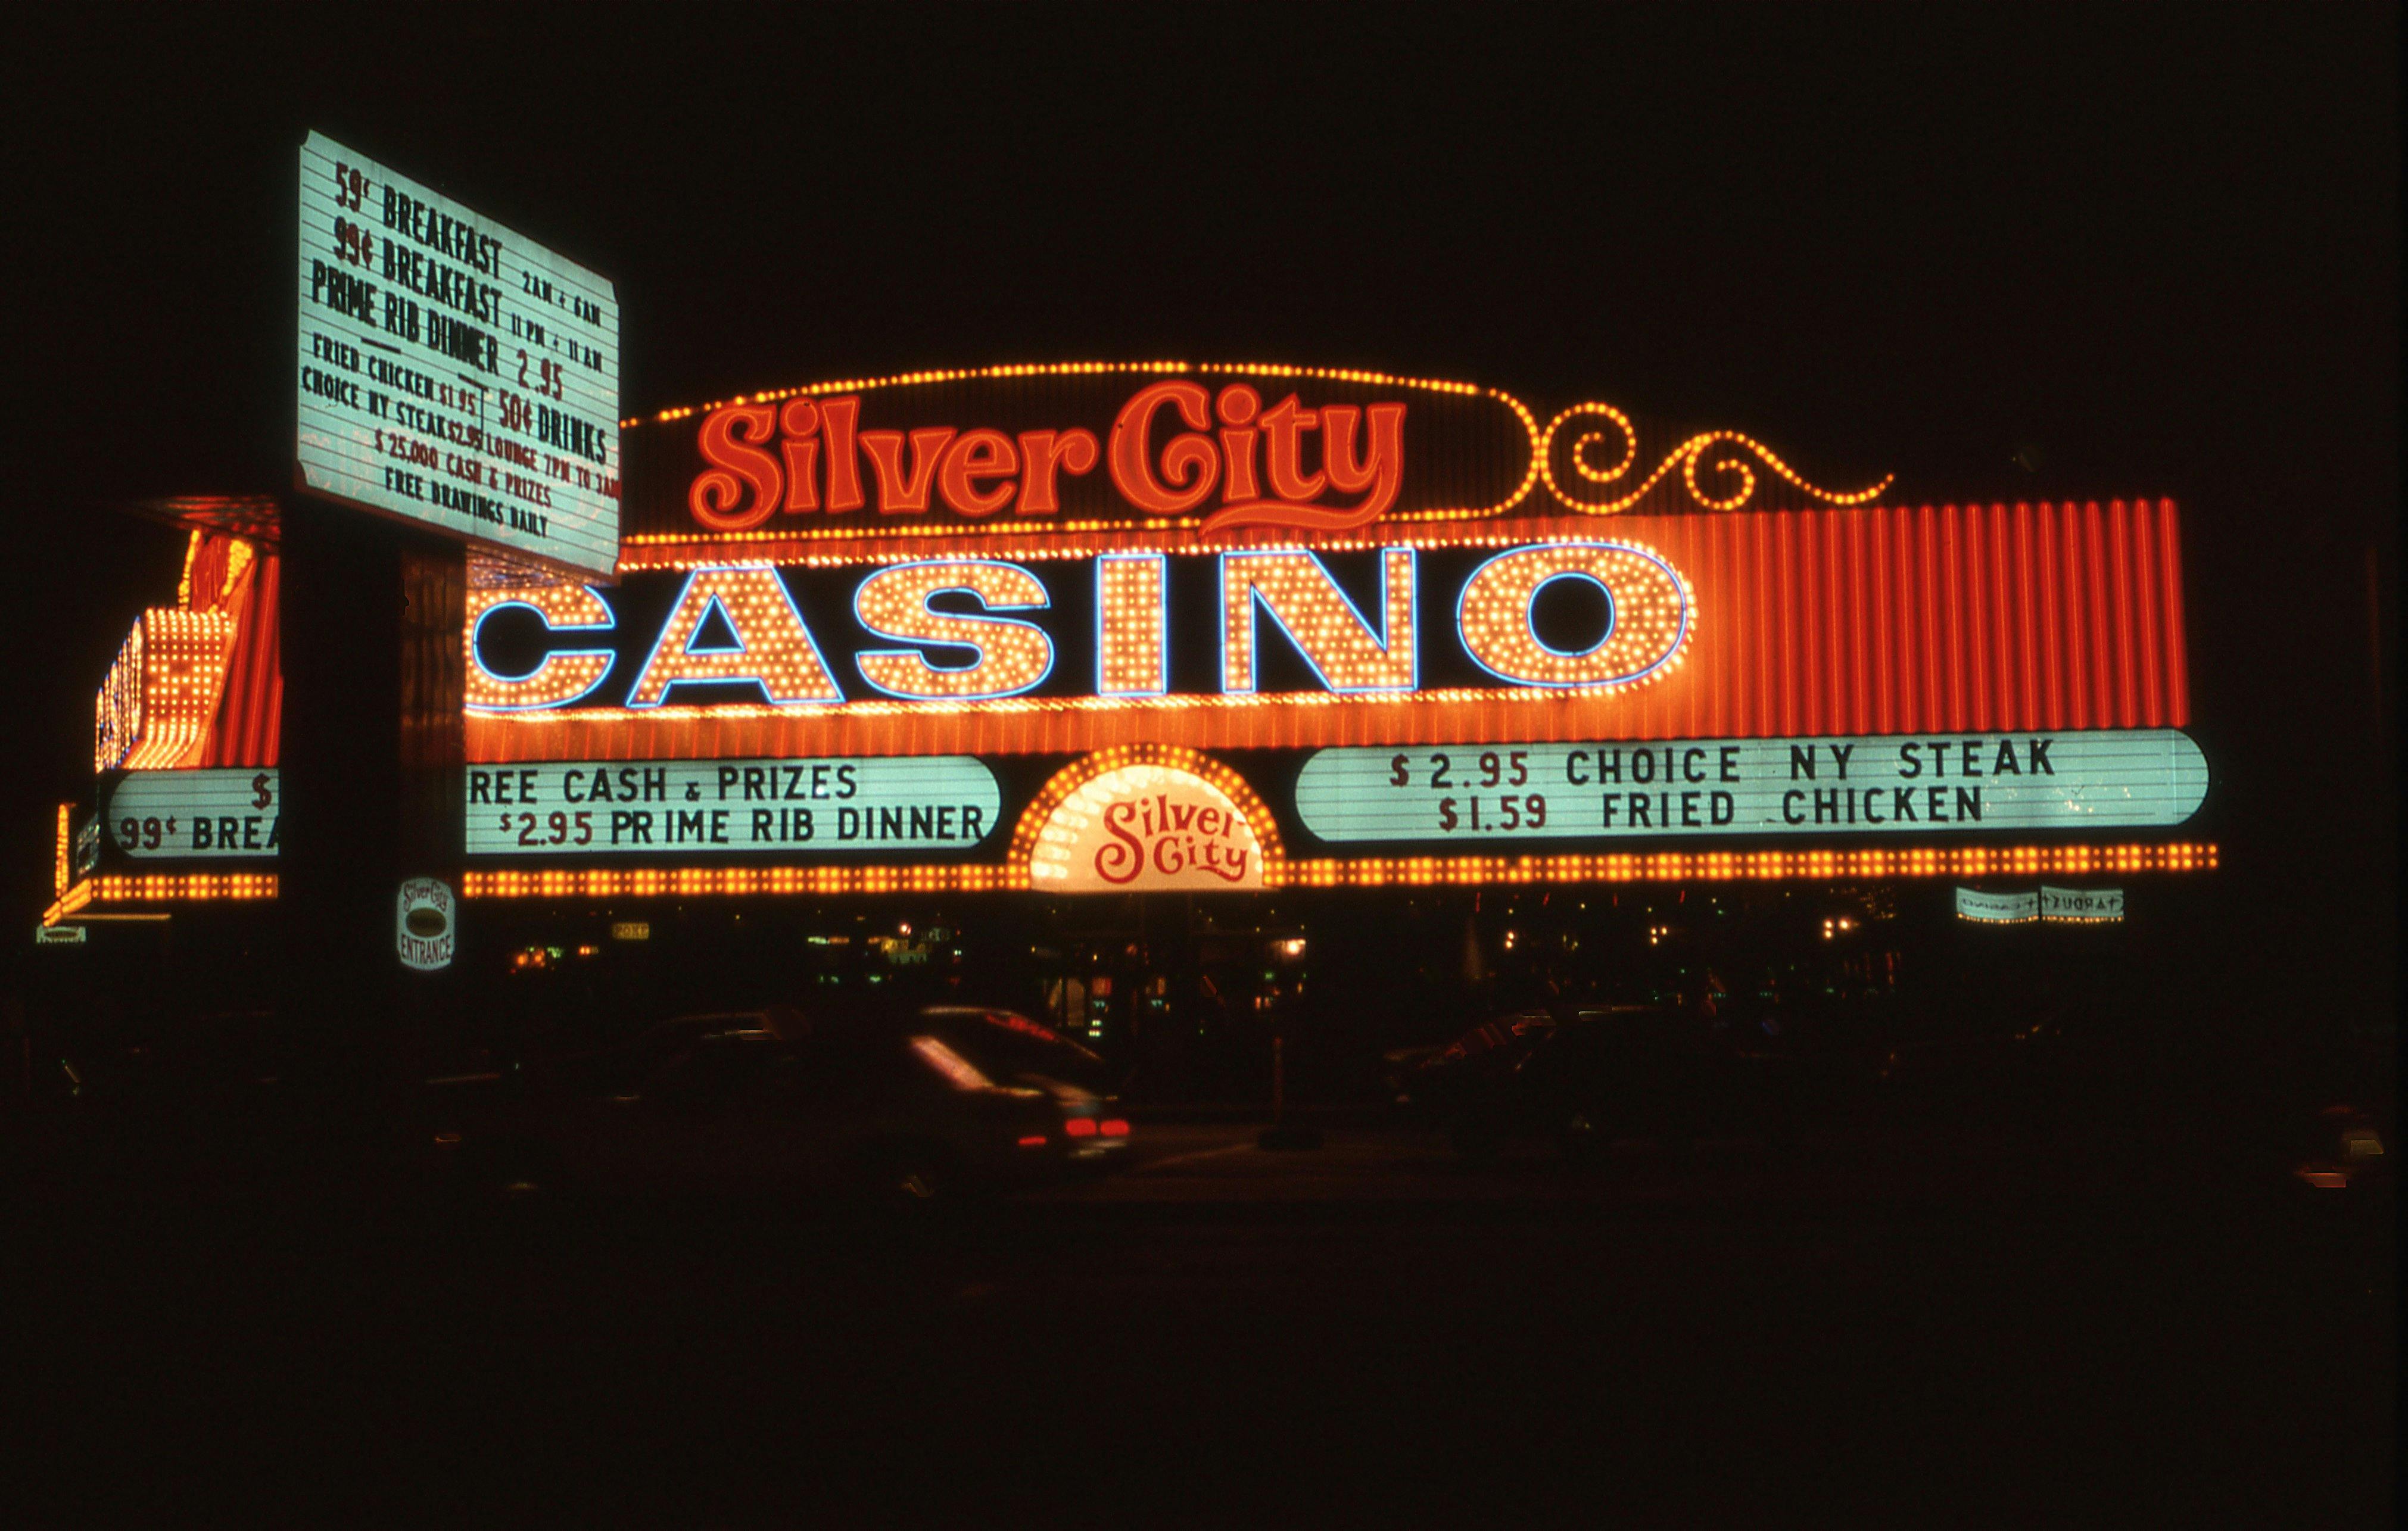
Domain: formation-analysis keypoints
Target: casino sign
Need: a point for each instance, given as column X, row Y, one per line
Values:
column 1215, row 627
column 1113, row 627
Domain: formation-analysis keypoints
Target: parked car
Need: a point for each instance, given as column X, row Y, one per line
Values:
column 760, row 1101
column 1431, row 1084
column 1008, row 1047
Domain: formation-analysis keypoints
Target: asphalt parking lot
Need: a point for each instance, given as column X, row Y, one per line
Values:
column 1369, row 1331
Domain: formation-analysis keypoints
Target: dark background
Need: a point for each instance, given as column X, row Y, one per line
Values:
column 2005, row 253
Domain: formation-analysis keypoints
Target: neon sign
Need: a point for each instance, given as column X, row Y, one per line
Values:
column 155, row 706
column 1183, row 449
column 1146, row 819
column 825, row 464
column 954, row 631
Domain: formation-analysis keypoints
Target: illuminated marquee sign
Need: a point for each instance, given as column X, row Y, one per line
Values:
column 452, row 372
column 1128, row 631
column 1224, row 627
column 2026, row 782
column 1924, row 621
column 1160, row 821
column 930, row 803
column 154, row 707
column 1994, row 908
column 1121, row 627
column 187, row 815
column 1204, row 628
column 1175, row 450
column 2082, row 906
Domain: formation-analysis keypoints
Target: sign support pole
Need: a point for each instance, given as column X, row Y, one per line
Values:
column 372, row 744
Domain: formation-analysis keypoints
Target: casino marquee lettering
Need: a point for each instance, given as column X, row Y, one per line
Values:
column 1574, row 614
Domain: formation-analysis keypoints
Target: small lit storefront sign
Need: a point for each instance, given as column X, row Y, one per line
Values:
column 1997, row 908
column 2056, row 906
column 2082, row 906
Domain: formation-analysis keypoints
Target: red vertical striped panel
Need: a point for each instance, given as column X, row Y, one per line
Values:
column 2003, row 639
column 2173, row 661
column 2119, row 586
column 2074, row 652
column 1971, row 629
column 2145, row 608
column 1768, row 624
column 2049, row 660
column 1802, row 683
column 2027, row 629
column 2102, row 679
column 248, row 727
column 1845, row 542
column 1881, row 619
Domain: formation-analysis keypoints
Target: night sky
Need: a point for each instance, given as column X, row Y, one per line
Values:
column 2002, row 253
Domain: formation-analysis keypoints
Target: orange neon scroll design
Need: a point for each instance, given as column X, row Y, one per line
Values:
column 1687, row 456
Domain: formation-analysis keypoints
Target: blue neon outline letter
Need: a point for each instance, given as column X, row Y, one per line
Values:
column 477, row 653
column 1052, row 654
column 1679, row 638
column 809, row 642
column 1381, row 638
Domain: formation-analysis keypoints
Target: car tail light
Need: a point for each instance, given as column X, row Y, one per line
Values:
column 1115, row 1129
column 1078, row 1126
column 1034, row 1139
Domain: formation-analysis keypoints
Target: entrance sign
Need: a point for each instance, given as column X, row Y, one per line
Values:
column 1997, row 908
column 189, row 815
column 422, row 924
column 889, row 806
column 2081, row 906
column 452, row 372
column 1882, row 784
